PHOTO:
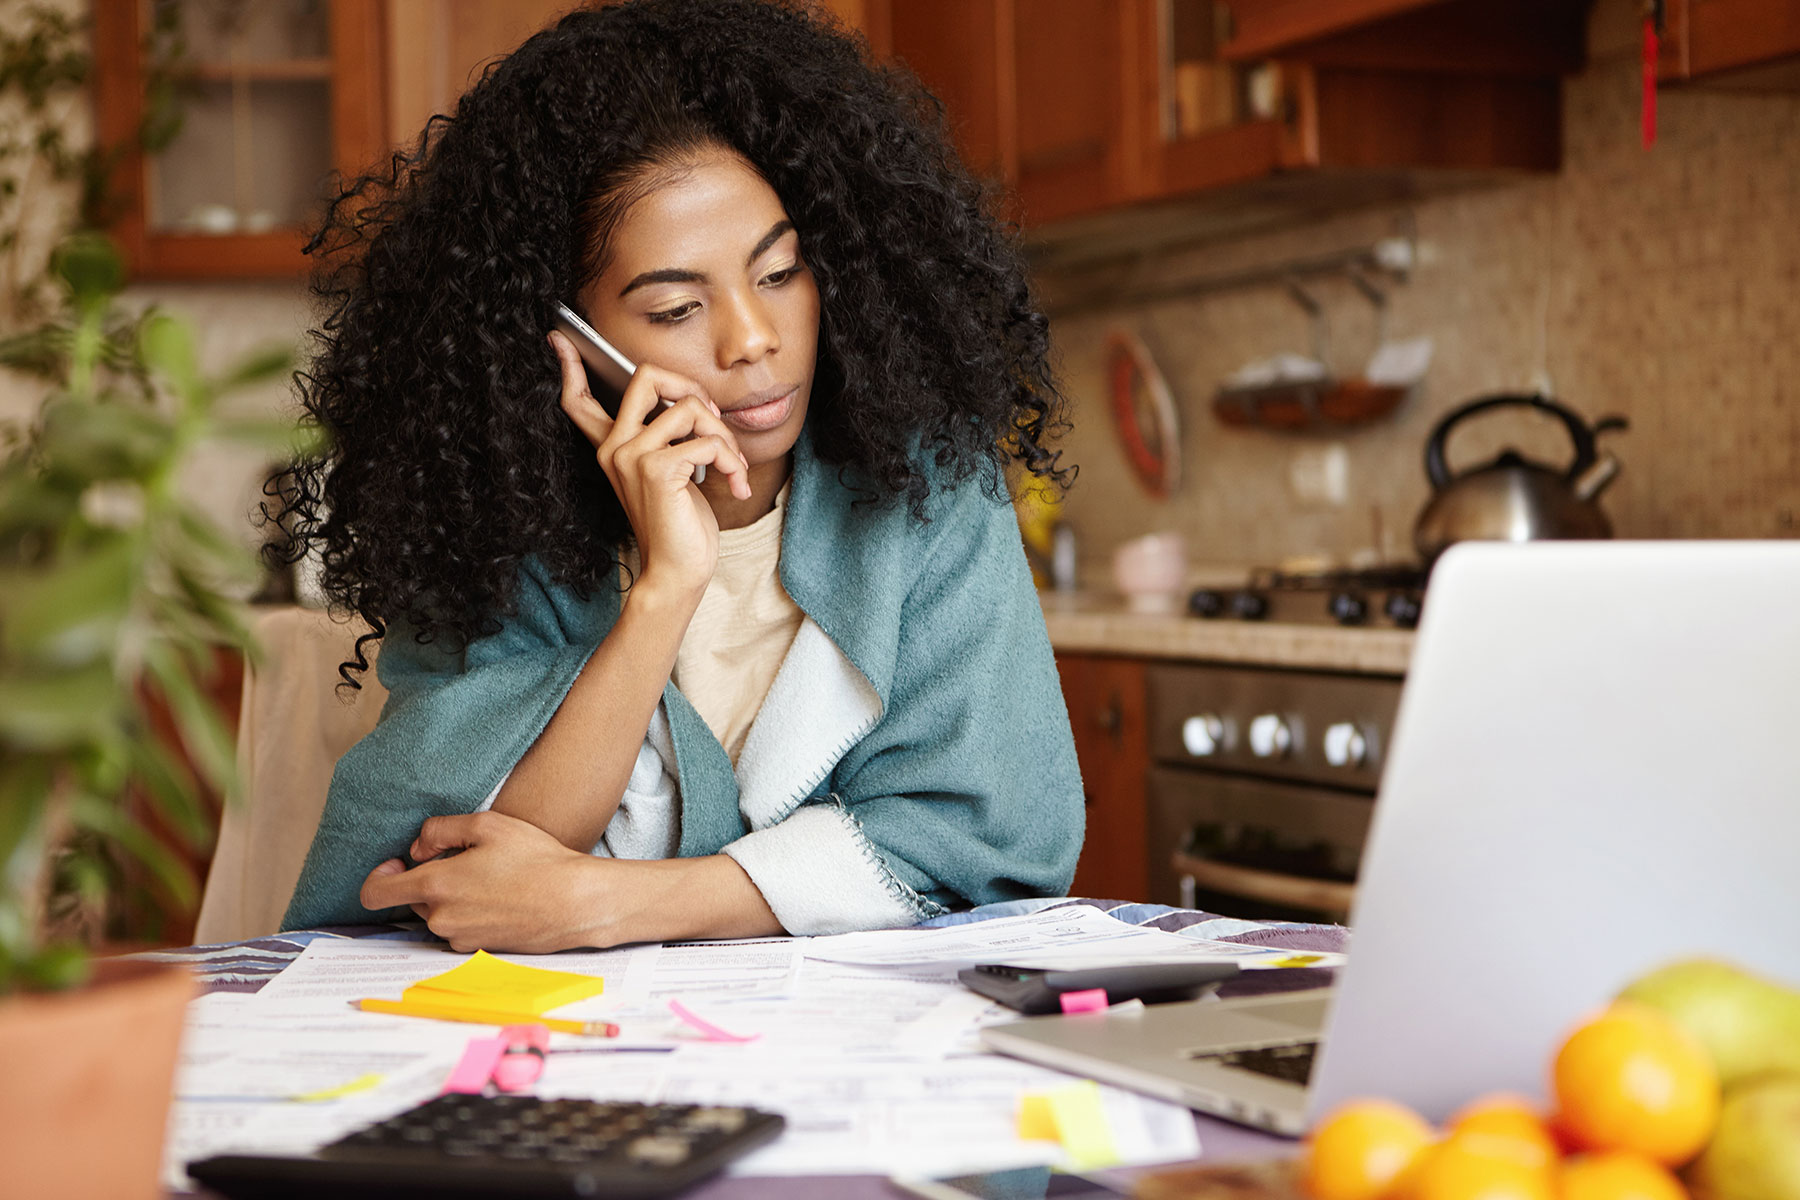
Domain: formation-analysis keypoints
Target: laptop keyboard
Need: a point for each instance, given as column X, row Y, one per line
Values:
column 1292, row 1062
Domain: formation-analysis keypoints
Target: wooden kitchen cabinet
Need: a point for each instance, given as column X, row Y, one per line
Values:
column 1106, row 700
column 1753, row 44
column 1084, row 107
column 1522, row 37
column 278, row 95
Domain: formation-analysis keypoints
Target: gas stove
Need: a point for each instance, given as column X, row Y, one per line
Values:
column 1389, row 597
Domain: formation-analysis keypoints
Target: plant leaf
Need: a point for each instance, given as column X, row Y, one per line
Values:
column 57, row 712
column 24, row 803
column 57, row 967
column 84, row 441
column 172, row 788
column 106, row 819
column 203, row 731
column 265, row 363
column 90, row 265
column 167, row 345
column 70, row 612
column 284, row 438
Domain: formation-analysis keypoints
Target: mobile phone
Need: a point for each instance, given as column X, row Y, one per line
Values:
column 608, row 370
column 1036, row 990
column 1025, row 1183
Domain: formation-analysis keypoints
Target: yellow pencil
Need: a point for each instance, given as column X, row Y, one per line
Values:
column 476, row 1016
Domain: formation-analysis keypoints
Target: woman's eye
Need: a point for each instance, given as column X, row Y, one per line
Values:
column 670, row 315
column 777, row 278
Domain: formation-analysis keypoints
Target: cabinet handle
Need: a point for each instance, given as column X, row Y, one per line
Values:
column 1273, row 887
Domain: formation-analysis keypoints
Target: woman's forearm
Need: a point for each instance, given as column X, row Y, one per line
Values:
column 571, row 780
column 672, row 899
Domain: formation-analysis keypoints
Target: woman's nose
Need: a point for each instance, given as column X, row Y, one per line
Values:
column 747, row 332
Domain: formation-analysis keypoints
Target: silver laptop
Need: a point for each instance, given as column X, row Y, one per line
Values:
column 1595, row 769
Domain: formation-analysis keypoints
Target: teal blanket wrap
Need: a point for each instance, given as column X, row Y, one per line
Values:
column 966, row 788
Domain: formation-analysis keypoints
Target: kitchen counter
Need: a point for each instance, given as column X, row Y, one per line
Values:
column 1094, row 623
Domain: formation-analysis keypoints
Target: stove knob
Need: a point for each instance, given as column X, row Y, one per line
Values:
column 1203, row 735
column 1250, row 606
column 1348, row 608
column 1207, row 603
column 1270, row 736
column 1345, row 745
column 1403, row 608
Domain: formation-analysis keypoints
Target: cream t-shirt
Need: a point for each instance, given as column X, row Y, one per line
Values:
column 741, row 631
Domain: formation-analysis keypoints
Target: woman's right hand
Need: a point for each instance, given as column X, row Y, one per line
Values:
column 651, row 466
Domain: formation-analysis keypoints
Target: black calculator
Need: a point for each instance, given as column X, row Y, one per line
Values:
column 469, row 1146
column 1036, row 990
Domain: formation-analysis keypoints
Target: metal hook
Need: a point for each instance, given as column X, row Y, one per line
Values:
column 1316, row 312
column 1358, row 276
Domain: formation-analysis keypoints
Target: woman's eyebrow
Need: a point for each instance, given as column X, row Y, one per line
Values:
column 683, row 275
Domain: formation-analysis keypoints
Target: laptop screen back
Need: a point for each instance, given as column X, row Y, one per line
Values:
column 1595, row 769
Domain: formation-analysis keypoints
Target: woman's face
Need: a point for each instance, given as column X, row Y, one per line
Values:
column 705, row 278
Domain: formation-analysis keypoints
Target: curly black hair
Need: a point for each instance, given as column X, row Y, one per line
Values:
column 451, row 460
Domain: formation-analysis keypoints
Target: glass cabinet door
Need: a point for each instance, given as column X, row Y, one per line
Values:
column 1217, row 120
column 274, row 96
column 255, row 143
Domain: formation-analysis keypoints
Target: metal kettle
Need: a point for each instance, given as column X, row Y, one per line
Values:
column 1513, row 499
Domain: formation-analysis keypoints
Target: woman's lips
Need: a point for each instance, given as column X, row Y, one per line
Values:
column 758, row 417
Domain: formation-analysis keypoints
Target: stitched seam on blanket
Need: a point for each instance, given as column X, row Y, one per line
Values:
column 832, row 760
column 923, row 906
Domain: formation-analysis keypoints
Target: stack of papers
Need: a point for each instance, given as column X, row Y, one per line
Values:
column 865, row 1042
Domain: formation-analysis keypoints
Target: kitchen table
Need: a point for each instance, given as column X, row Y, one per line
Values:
column 247, row 966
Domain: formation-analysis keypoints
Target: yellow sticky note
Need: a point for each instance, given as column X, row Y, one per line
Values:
column 1035, row 1122
column 1081, row 1125
column 1073, row 1116
column 1294, row 960
column 490, row 982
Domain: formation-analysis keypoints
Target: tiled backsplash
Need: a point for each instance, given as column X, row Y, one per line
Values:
column 1663, row 285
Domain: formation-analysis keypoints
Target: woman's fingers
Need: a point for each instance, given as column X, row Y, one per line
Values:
column 649, row 388
column 577, row 399
column 684, row 458
column 693, row 419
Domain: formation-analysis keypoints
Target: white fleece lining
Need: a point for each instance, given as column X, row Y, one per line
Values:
column 819, row 874
column 818, row 707
column 813, row 864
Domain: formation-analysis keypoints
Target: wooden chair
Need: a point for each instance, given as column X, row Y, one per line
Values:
column 294, row 723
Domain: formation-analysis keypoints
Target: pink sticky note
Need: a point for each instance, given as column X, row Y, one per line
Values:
column 1092, row 1000
column 708, row 1030
column 479, row 1059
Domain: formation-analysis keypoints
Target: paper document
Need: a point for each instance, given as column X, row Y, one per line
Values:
column 1060, row 937
column 865, row 1042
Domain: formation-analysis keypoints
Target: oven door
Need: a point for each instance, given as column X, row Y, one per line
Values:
column 1254, row 848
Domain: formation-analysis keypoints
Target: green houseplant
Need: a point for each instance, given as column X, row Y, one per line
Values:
column 115, row 595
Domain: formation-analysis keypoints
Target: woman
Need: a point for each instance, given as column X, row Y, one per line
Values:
column 811, row 692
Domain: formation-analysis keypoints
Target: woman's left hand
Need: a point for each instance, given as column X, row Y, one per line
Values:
column 512, row 887
column 515, row 887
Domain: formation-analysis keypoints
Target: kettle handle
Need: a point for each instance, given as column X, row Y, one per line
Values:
column 1439, row 472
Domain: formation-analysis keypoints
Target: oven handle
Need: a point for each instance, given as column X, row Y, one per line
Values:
column 1273, row 887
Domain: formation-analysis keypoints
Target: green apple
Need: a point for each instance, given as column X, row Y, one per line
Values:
column 1755, row 1151
column 1750, row 1025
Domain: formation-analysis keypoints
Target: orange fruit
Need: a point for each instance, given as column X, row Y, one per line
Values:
column 1632, row 1079
column 1475, row 1166
column 1356, row 1152
column 1616, row 1176
column 1514, row 1123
